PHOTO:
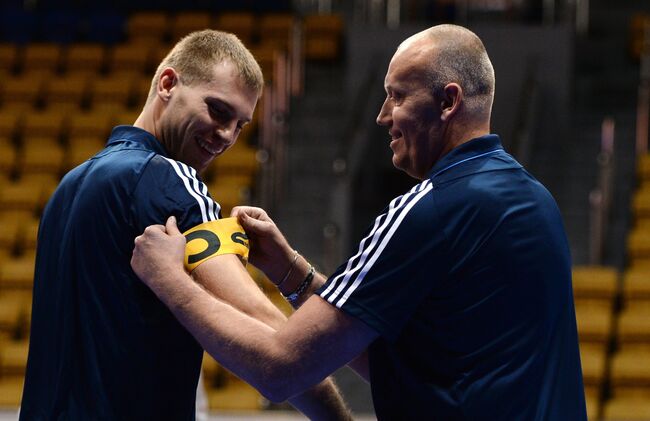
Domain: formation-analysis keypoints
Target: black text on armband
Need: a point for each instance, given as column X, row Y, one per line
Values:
column 240, row 238
column 213, row 245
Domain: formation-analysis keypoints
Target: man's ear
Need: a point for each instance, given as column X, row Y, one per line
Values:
column 451, row 100
column 166, row 83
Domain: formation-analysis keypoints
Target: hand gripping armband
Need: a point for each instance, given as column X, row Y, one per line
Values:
column 213, row 238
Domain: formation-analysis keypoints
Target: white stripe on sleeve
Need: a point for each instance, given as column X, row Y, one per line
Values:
column 191, row 187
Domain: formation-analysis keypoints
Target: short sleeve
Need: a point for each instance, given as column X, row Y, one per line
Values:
column 169, row 187
column 397, row 263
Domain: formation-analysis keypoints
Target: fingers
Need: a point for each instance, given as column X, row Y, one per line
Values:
column 171, row 227
column 251, row 211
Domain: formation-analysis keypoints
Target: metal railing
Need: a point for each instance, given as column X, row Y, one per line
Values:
column 273, row 130
column 643, row 104
column 529, row 103
column 336, row 233
column 600, row 198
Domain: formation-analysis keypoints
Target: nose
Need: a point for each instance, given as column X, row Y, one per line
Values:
column 385, row 113
column 228, row 132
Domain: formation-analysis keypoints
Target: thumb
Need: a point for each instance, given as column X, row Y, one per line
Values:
column 250, row 224
column 171, row 227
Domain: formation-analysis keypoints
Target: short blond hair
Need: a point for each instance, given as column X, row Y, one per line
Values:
column 195, row 55
column 460, row 57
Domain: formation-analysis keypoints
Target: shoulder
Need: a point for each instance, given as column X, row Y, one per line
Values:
column 169, row 187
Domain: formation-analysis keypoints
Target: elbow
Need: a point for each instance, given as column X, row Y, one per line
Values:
column 277, row 384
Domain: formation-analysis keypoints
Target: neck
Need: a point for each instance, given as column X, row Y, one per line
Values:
column 466, row 131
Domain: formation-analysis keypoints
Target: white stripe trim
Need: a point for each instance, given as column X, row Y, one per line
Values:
column 189, row 188
column 203, row 190
column 382, row 246
column 394, row 207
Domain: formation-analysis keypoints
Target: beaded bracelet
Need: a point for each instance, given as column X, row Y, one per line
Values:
column 293, row 297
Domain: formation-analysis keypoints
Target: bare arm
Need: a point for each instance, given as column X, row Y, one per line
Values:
column 272, row 253
column 226, row 279
column 314, row 342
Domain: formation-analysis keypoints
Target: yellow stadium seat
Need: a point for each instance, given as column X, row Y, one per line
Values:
column 67, row 92
column 41, row 57
column 19, row 196
column 630, row 392
column 229, row 195
column 594, row 322
column 236, row 395
column 9, row 233
column 126, row 117
column 13, row 357
column 8, row 56
column 634, row 325
column 266, row 56
column 14, row 310
column 132, row 57
column 10, row 122
column 147, row 26
column 22, row 92
column 630, row 368
column 90, row 125
column 84, row 59
column 141, row 87
column 595, row 282
column 45, row 183
column 276, row 29
column 592, row 399
column 7, row 157
column 636, row 285
column 638, row 23
column 638, row 246
column 11, row 392
column 45, row 124
column 18, row 273
column 643, row 167
column 185, row 22
column 111, row 92
column 322, row 34
column 627, row 409
column 156, row 55
column 239, row 159
column 212, row 371
column 641, row 207
column 593, row 358
column 242, row 24
column 81, row 149
column 28, row 236
column 41, row 155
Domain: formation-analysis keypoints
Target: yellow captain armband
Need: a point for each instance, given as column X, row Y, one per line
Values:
column 223, row 236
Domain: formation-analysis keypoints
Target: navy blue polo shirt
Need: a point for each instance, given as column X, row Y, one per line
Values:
column 467, row 280
column 102, row 346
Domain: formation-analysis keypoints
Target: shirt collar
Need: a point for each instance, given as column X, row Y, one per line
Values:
column 137, row 135
column 468, row 150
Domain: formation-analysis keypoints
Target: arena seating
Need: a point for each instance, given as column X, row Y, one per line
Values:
column 58, row 103
column 629, row 378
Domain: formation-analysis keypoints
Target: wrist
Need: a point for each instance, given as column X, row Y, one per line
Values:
column 280, row 265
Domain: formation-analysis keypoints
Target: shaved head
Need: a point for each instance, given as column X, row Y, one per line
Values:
column 453, row 54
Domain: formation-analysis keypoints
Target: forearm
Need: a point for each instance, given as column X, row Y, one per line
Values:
column 240, row 343
column 322, row 402
column 230, row 283
column 250, row 349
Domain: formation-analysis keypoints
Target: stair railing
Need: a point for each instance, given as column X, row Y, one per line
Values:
column 600, row 198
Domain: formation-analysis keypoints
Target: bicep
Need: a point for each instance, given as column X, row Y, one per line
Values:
column 226, row 278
